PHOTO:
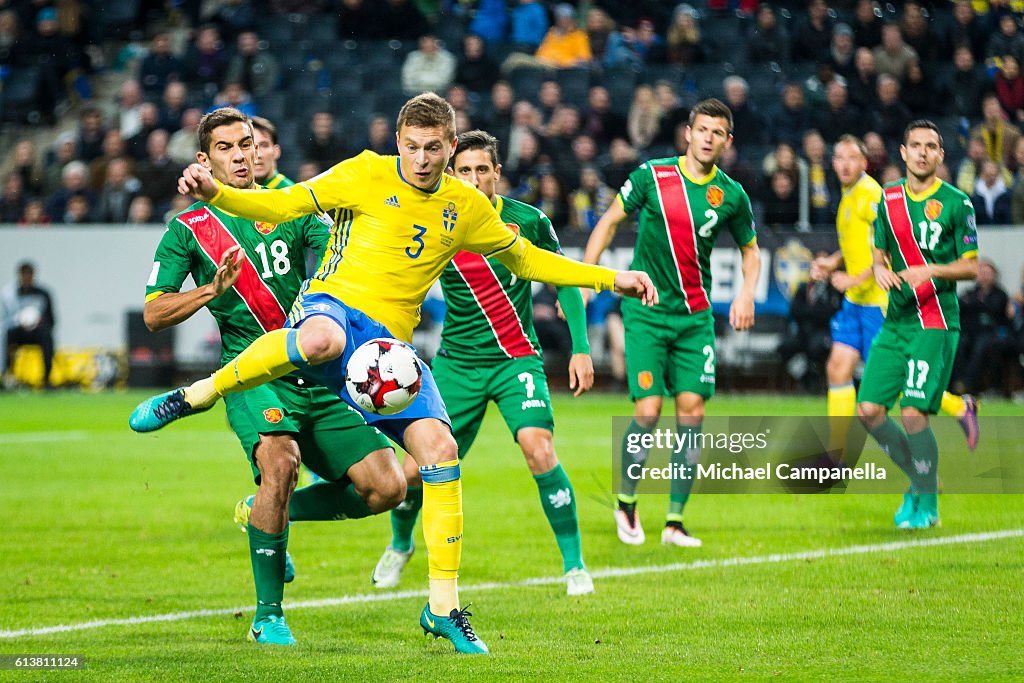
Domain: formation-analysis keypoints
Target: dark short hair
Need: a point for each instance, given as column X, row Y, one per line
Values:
column 853, row 140
column 922, row 123
column 712, row 107
column 264, row 126
column 478, row 139
column 26, row 266
column 224, row 116
column 428, row 111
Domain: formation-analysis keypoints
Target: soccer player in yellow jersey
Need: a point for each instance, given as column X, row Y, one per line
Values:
column 400, row 221
column 858, row 322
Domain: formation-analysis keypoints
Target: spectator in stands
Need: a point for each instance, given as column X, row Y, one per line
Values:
column 589, row 202
column 683, row 39
column 402, row 20
column 821, row 182
column 12, row 198
column 893, row 56
column 584, row 150
column 807, row 343
column 565, row 44
column 622, row 160
column 784, row 158
column 10, row 35
column 476, row 70
column 607, row 46
column 490, row 22
column 741, row 171
column 173, row 106
column 557, row 143
column 430, row 68
column 206, row 61
column 877, row 154
column 839, row 117
column 140, row 211
column 522, row 171
column 969, row 169
column 499, row 117
column 233, row 18
column 324, row 146
column 966, row 30
column 781, row 202
column 890, row 116
column 179, row 203
column 28, row 319
column 157, row 173
column 673, row 113
column 129, row 101
column 1007, row 40
column 526, row 122
column 529, row 25
column 748, row 127
column 793, row 118
column 160, row 66
column 458, row 97
column 863, row 86
column 256, row 70
column 551, row 200
column 1009, row 87
column 61, row 154
column 924, row 97
column 550, row 98
column 811, row 39
column 767, row 41
column 78, row 210
column 184, row 142
column 999, row 136
column 25, row 163
column 53, row 55
column 644, row 43
column 1017, row 185
column 966, row 85
column 841, row 51
column 356, row 20
column 599, row 121
column 867, row 24
column 984, row 328
column 117, row 193
column 34, row 214
column 149, row 120
column 644, row 117
column 816, row 85
column 235, row 96
column 918, row 34
column 90, row 134
column 890, row 174
column 113, row 148
column 991, row 198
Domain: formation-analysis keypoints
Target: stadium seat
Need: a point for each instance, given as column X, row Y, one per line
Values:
column 322, row 29
column 19, row 93
column 526, row 82
column 117, row 19
column 575, row 84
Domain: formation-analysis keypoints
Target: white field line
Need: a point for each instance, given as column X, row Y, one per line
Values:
column 611, row 572
column 41, row 437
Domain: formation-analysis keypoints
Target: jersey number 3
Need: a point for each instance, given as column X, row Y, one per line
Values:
column 417, row 239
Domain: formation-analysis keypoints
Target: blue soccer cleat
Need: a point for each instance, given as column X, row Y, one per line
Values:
column 907, row 509
column 271, row 631
column 243, row 509
column 159, row 411
column 926, row 515
column 455, row 627
column 969, row 421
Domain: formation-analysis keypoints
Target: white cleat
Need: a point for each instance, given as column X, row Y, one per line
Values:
column 389, row 568
column 630, row 531
column 578, row 582
column 681, row 537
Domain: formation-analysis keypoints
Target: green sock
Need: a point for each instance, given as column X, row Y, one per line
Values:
column 893, row 441
column 327, row 501
column 559, row 503
column 639, row 455
column 924, row 461
column 679, row 489
column 267, row 553
column 403, row 519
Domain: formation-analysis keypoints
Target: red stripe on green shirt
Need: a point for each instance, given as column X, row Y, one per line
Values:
column 928, row 309
column 675, row 207
column 494, row 303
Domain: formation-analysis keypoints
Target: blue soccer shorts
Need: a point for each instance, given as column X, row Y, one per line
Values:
column 857, row 326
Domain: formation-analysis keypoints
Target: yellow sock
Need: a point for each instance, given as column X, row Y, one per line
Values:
column 442, row 532
column 842, row 407
column 953, row 404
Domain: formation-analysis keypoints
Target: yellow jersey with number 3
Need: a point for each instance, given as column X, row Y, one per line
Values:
column 391, row 240
column 855, row 224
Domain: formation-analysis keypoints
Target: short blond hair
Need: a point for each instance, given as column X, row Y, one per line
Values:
column 428, row 111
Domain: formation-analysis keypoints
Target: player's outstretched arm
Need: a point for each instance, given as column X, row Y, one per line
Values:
column 171, row 308
column 603, row 232
column 741, row 312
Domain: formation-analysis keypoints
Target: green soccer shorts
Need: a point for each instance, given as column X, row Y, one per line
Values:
column 332, row 436
column 518, row 386
column 911, row 361
column 669, row 354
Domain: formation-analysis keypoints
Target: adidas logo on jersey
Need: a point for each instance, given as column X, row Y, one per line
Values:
column 392, row 201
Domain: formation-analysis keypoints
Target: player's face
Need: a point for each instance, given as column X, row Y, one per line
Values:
column 267, row 154
column 232, row 155
column 423, row 155
column 707, row 137
column 475, row 166
column 922, row 153
column 848, row 163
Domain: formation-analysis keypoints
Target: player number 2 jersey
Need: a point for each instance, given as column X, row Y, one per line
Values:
column 936, row 227
column 679, row 220
column 489, row 311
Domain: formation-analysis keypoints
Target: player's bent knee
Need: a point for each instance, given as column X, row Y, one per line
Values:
column 538, row 449
column 321, row 339
column 278, row 460
column 430, row 442
column 871, row 414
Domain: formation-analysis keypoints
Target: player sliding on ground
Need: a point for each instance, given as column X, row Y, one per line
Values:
column 489, row 352
column 682, row 205
column 400, row 221
column 926, row 230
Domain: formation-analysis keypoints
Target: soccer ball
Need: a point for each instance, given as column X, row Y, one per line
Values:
column 383, row 376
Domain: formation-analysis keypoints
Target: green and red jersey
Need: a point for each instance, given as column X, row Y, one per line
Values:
column 679, row 220
column 489, row 311
column 937, row 227
column 271, row 277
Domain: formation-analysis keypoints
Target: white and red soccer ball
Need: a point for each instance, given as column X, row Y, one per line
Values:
column 383, row 376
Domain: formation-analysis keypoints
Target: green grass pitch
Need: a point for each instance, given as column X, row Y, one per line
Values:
column 104, row 524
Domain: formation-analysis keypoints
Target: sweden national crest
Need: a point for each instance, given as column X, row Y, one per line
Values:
column 265, row 228
column 273, row 415
column 932, row 209
column 715, row 195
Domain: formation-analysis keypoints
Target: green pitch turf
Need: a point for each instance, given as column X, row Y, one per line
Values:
column 104, row 524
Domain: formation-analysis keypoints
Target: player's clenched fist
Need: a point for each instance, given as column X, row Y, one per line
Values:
column 197, row 180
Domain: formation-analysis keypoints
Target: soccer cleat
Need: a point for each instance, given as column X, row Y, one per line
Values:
column 678, row 535
column 969, row 421
column 907, row 509
column 628, row 527
column 271, row 631
column 243, row 509
column 159, row 411
column 926, row 515
column 578, row 582
column 455, row 627
column 389, row 567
